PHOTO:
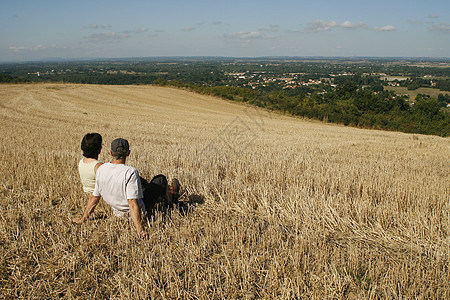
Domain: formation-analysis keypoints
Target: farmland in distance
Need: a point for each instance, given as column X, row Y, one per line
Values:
column 280, row 207
column 412, row 94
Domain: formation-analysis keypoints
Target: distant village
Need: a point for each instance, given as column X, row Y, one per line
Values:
column 310, row 76
column 294, row 80
column 249, row 79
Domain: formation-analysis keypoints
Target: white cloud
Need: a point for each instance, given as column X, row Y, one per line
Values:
column 95, row 26
column 141, row 30
column 18, row 48
column 107, row 36
column 113, row 36
column 444, row 28
column 98, row 26
column 350, row 25
column 385, row 28
column 319, row 26
column 188, row 29
column 35, row 48
column 435, row 16
column 247, row 35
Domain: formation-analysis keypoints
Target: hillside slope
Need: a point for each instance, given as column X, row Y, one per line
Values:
column 281, row 207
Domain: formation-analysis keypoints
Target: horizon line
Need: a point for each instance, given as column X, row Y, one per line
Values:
column 212, row 57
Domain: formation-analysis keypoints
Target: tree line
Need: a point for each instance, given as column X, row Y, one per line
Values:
column 6, row 78
column 348, row 104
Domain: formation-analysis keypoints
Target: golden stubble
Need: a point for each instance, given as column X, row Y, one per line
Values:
column 290, row 208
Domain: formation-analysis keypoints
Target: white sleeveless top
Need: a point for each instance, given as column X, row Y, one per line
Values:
column 87, row 175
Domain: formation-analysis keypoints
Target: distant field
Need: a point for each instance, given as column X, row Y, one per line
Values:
column 413, row 93
column 283, row 207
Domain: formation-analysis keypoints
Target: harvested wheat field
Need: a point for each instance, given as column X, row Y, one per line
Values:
column 279, row 207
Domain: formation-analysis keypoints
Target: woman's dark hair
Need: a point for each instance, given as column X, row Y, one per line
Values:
column 91, row 145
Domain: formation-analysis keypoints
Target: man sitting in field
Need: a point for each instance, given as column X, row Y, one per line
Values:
column 120, row 186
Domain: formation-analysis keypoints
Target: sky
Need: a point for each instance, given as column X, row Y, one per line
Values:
column 62, row 29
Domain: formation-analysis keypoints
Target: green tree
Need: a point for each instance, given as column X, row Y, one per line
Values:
column 444, row 100
column 426, row 107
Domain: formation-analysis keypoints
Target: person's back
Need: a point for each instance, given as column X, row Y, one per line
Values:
column 117, row 183
column 91, row 145
column 87, row 174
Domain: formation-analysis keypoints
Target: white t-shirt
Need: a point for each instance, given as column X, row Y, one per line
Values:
column 117, row 184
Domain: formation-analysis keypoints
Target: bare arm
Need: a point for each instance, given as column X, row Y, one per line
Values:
column 90, row 207
column 136, row 218
column 97, row 166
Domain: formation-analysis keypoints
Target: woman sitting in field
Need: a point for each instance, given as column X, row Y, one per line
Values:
column 91, row 145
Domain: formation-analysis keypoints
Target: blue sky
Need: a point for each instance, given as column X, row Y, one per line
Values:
column 40, row 29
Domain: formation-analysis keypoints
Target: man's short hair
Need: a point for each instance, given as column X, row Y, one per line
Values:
column 91, row 145
column 120, row 148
